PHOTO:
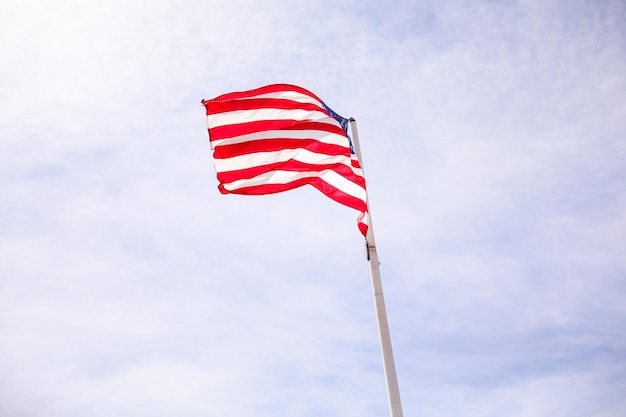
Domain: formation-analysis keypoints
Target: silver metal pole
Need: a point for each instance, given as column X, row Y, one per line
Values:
column 393, row 391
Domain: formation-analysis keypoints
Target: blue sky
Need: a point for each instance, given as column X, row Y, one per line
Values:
column 493, row 137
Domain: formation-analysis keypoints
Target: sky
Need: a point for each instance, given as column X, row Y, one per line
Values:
column 493, row 136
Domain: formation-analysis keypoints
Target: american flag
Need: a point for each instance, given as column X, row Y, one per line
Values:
column 279, row 137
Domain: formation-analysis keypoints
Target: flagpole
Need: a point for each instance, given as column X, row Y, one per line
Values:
column 393, row 391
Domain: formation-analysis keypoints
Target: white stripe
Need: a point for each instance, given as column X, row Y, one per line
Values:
column 319, row 135
column 265, row 158
column 284, row 177
column 257, row 115
column 342, row 183
column 357, row 171
column 366, row 219
column 289, row 95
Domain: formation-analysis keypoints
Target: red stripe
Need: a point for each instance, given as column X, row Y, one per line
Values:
column 316, row 182
column 231, row 131
column 270, row 145
column 215, row 107
column 291, row 165
column 274, row 88
column 362, row 226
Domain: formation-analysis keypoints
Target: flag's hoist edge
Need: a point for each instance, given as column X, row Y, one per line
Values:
column 279, row 137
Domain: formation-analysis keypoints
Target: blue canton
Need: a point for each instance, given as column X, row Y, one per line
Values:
column 343, row 122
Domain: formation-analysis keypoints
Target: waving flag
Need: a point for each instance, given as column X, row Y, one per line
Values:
column 279, row 137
